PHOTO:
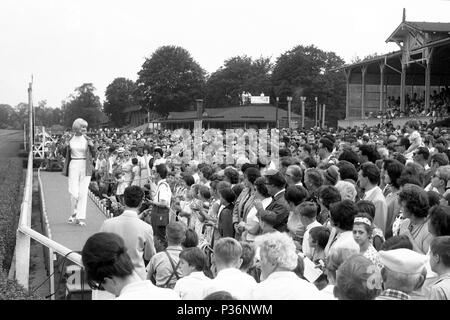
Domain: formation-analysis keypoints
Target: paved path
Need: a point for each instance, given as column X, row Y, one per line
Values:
column 57, row 201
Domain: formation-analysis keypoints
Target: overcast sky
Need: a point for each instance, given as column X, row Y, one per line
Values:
column 65, row 43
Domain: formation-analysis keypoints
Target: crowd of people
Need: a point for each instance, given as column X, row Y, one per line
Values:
column 356, row 213
column 415, row 106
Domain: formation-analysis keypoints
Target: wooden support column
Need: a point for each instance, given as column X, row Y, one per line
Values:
column 402, row 87
column 363, row 91
column 428, row 79
column 382, row 86
column 348, row 74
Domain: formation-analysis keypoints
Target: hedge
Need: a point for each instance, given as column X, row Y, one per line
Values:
column 11, row 176
column 11, row 290
column 11, row 183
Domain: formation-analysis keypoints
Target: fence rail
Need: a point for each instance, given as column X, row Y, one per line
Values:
column 25, row 233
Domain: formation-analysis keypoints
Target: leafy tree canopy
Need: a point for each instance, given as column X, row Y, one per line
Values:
column 119, row 96
column 170, row 80
column 238, row 74
column 83, row 103
column 304, row 71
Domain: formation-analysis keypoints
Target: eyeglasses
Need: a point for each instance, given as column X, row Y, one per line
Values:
column 96, row 286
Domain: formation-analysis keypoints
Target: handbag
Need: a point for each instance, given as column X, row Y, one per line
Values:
column 160, row 215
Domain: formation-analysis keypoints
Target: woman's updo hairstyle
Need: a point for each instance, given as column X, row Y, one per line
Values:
column 104, row 255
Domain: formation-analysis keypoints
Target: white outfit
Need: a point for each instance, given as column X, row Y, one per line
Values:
column 285, row 285
column 146, row 290
column 145, row 169
column 251, row 217
column 234, row 281
column 306, row 249
column 78, row 181
column 192, row 286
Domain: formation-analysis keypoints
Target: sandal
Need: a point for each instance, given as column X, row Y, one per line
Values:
column 81, row 223
column 72, row 219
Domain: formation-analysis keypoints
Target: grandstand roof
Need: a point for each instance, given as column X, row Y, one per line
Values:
column 254, row 113
column 406, row 26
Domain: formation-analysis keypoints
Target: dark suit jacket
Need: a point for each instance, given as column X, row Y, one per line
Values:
column 281, row 208
column 225, row 223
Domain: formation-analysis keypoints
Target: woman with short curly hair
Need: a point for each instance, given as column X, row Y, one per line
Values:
column 414, row 203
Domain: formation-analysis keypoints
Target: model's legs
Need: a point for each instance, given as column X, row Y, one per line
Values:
column 83, row 196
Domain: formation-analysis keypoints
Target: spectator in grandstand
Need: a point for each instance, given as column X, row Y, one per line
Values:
column 137, row 234
column 279, row 282
column 353, row 279
column 109, row 267
column 440, row 179
column 194, row 280
column 325, row 152
column 275, row 183
column 244, row 201
column 392, row 172
column 161, row 202
column 294, row 175
column 164, row 267
column 362, row 233
column 421, row 156
column 227, row 261
column 436, row 160
column 308, row 214
column 327, row 195
column 439, row 221
column 369, row 178
column 440, row 263
column 403, row 272
column 414, row 203
column 313, row 181
column 318, row 239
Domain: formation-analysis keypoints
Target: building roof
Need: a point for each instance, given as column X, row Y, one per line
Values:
column 254, row 113
column 132, row 108
column 405, row 27
column 430, row 26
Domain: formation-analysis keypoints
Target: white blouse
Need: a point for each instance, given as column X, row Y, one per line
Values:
column 78, row 147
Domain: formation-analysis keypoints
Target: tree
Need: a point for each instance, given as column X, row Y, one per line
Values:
column 119, row 96
column 306, row 71
column 238, row 74
column 357, row 59
column 6, row 115
column 83, row 103
column 170, row 80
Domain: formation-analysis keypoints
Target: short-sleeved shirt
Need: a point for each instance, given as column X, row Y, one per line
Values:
column 160, row 267
column 163, row 192
column 440, row 289
column 415, row 137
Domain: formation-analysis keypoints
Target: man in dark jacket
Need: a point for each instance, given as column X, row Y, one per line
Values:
column 276, row 183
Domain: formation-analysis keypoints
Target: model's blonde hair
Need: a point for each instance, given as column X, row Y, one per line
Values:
column 78, row 123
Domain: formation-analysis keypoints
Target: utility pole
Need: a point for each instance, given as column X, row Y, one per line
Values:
column 289, row 100
column 303, row 110
column 317, row 109
column 277, row 123
column 323, row 116
column 31, row 114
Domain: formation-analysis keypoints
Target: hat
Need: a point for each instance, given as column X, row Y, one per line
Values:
column 121, row 149
column 332, row 174
column 271, row 172
column 392, row 138
column 403, row 260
